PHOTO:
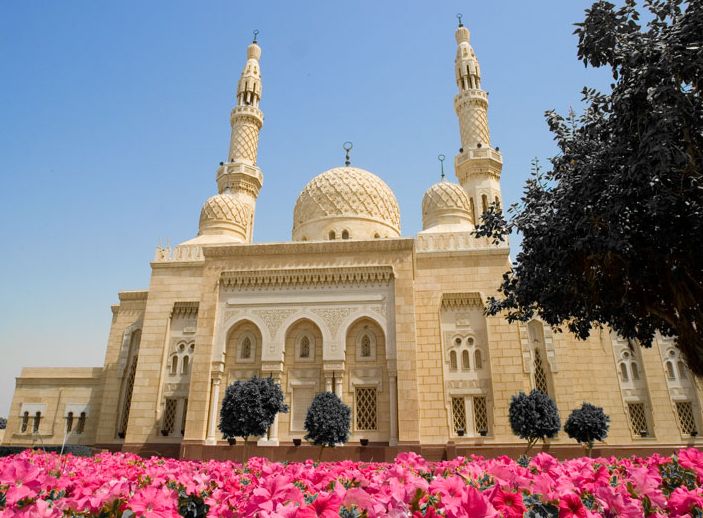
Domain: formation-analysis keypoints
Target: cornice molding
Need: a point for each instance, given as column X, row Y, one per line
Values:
column 185, row 309
column 310, row 247
column 243, row 279
column 458, row 300
column 133, row 295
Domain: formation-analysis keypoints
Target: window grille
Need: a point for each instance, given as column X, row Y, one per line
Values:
column 129, row 387
column 459, row 414
column 37, row 421
column 366, row 408
column 81, row 423
column 366, row 347
column 687, row 421
column 480, row 414
column 69, row 422
column 452, row 360
column 638, row 419
column 25, row 422
column 540, row 374
column 183, row 419
column 246, row 349
column 169, row 416
column 305, row 347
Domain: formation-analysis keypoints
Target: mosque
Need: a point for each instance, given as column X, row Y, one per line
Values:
column 393, row 324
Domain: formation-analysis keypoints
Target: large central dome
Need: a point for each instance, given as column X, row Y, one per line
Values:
column 346, row 203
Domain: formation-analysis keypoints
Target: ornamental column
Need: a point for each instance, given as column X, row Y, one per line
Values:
column 393, row 389
column 217, row 370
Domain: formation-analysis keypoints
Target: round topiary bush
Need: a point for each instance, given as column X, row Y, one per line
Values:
column 327, row 421
column 587, row 425
column 534, row 417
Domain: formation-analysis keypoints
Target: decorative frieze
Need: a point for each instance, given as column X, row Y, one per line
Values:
column 306, row 277
column 459, row 300
column 185, row 310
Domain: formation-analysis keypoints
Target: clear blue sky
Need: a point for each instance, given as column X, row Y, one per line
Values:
column 114, row 115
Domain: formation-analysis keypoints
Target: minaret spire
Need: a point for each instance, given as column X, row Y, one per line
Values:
column 240, row 175
column 478, row 166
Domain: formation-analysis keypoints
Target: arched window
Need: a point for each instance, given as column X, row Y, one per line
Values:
column 497, row 202
column 305, row 347
column 332, row 235
column 345, row 234
column 186, row 364
column 69, row 422
column 174, row 364
column 484, row 202
column 682, row 370
column 25, row 422
column 37, row 420
column 670, row 371
column 452, row 360
column 366, row 347
column 465, row 360
column 635, row 371
column 81, row 423
column 623, row 372
column 473, row 209
column 246, row 349
column 478, row 363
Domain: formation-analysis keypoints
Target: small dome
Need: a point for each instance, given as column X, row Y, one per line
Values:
column 346, row 203
column 444, row 204
column 224, row 214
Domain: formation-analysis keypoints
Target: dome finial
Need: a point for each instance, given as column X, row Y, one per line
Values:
column 347, row 146
column 459, row 16
column 441, row 159
column 256, row 35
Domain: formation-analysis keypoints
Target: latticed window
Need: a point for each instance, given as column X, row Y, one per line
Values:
column 183, row 419
column 366, row 347
column 687, row 422
column 480, row 414
column 540, row 374
column 169, row 416
column 246, row 348
column 638, row 419
column 458, row 414
column 305, row 347
column 366, row 408
column 129, row 387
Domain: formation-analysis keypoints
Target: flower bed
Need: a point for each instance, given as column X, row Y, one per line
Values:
column 47, row 485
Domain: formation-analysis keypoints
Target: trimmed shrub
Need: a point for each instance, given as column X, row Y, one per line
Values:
column 327, row 421
column 587, row 425
column 249, row 407
column 534, row 417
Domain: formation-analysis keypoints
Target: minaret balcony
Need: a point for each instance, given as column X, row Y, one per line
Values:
column 247, row 111
column 483, row 161
column 240, row 175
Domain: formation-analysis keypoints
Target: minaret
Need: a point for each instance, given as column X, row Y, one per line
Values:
column 478, row 165
column 240, row 175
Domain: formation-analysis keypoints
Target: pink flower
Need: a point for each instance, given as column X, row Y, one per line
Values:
column 154, row 502
column 510, row 505
column 682, row 501
column 570, row 506
column 475, row 503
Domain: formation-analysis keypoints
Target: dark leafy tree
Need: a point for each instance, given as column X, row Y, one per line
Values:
column 534, row 417
column 613, row 233
column 327, row 421
column 587, row 425
column 249, row 407
column 3, row 423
